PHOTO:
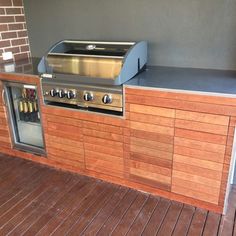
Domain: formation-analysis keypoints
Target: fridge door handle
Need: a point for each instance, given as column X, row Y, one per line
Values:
column 3, row 97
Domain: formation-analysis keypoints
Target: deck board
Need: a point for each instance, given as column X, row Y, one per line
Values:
column 38, row 200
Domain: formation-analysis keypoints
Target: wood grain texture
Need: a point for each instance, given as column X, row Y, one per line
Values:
column 144, row 141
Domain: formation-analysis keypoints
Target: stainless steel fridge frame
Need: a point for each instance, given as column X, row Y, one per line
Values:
column 12, row 120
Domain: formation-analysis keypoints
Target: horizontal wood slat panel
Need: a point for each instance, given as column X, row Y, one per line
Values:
column 196, row 179
column 198, row 171
column 68, row 155
column 152, row 128
column 151, row 119
column 151, row 152
column 102, row 134
column 202, row 117
column 195, row 194
column 102, row 127
column 105, row 157
column 203, row 127
column 151, row 160
column 199, row 154
column 63, row 161
column 195, row 186
column 181, row 96
column 151, row 144
column 210, row 147
column 149, row 182
column 83, row 115
column 199, row 163
column 182, row 105
column 104, row 170
column 150, row 110
column 73, row 149
column 201, row 136
column 93, row 161
column 152, row 136
column 103, row 149
column 151, row 168
column 103, row 142
column 64, row 128
column 64, row 141
column 150, row 175
column 63, row 120
column 73, row 136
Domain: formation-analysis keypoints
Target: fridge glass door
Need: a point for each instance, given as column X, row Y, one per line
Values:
column 25, row 119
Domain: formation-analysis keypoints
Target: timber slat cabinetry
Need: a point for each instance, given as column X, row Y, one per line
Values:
column 200, row 144
column 172, row 144
column 64, row 140
column 88, row 142
column 151, row 145
column 103, row 146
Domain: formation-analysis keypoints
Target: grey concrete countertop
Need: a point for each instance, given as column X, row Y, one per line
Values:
column 189, row 80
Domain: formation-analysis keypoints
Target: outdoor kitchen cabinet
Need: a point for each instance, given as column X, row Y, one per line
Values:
column 196, row 133
column 85, row 142
column 103, row 147
column 64, row 140
column 150, row 144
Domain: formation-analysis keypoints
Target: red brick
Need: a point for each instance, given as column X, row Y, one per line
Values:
column 16, row 42
column 5, row 43
column 22, row 34
column 13, row 11
column 2, row 11
column 20, row 18
column 24, row 48
column 9, row 35
column 20, row 56
column 12, row 49
column 5, row 3
column 17, row 26
column 6, row 19
column 17, row 3
column 3, row 28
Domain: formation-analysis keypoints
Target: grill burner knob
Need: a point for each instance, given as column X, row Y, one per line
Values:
column 70, row 94
column 53, row 92
column 107, row 99
column 88, row 96
column 61, row 93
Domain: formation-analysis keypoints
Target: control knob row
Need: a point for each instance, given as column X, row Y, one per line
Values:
column 61, row 94
column 70, row 94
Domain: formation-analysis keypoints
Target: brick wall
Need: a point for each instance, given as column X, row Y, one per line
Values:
column 13, row 31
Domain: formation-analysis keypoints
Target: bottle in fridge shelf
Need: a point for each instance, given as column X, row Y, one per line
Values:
column 28, row 108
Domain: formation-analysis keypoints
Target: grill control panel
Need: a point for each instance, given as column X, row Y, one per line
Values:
column 86, row 97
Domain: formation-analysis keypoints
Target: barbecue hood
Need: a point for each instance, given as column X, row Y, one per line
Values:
column 96, row 62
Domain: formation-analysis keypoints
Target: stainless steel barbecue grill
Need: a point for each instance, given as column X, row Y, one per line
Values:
column 90, row 74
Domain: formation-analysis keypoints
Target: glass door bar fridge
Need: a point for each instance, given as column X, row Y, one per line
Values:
column 24, row 117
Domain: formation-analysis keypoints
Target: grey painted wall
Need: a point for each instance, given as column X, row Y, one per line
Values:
column 185, row 33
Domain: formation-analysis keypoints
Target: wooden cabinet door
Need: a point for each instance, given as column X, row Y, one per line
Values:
column 150, row 142
column 64, row 140
column 200, row 144
column 103, row 146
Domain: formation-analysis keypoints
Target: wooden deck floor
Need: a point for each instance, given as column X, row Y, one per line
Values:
column 36, row 200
